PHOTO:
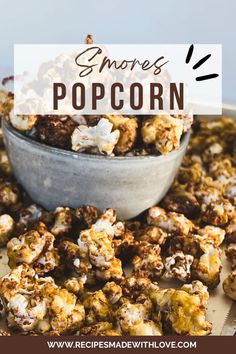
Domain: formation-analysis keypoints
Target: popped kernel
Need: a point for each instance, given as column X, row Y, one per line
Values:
column 55, row 131
column 100, row 329
column 208, row 267
column 170, row 221
column 97, row 308
column 22, row 122
column 75, row 285
column 230, row 252
column 164, row 132
column 152, row 234
column 131, row 316
column 6, row 228
column 36, row 248
column 147, row 262
column 178, row 266
column 38, row 304
column 127, row 128
column 229, row 285
column 182, row 312
column 62, row 222
column 100, row 136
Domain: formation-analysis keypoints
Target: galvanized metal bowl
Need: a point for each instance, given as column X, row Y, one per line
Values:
column 55, row 177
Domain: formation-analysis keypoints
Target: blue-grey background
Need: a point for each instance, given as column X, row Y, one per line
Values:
column 121, row 21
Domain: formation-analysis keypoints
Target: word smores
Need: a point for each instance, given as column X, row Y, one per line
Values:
column 90, row 59
column 125, row 84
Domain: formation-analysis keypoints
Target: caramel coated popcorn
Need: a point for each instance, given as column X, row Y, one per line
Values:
column 6, row 228
column 128, row 132
column 147, row 262
column 70, row 267
column 182, row 311
column 100, row 137
column 38, row 304
column 4, row 333
column 22, row 123
column 100, row 329
column 36, row 248
column 170, row 222
column 178, row 266
column 229, row 285
column 164, row 132
column 94, row 253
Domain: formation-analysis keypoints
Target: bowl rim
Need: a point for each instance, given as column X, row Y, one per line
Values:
column 77, row 155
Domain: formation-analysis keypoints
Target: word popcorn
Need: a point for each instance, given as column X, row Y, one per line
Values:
column 135, row 97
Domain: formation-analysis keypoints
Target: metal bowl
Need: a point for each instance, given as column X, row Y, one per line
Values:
column 55, row 177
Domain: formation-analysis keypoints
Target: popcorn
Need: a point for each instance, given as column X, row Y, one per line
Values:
column 55, row 131
column 221, row 169
column 30, row 214
column 95, row 244
column 70, row 254
column 192, row 173
column 164, row 132
column 180, row 238
column 6, row 228
column 182, row 202
column 113, row 292
column 100, row 136
column 75, row 285
column 100, row 329
column 127, row 128
column 148, row 262
column 9, row 194
column 178, row 266
column 4, row 333
column 123, row 240
column 211, row 234
column 229, row 285
column 230, row 252
column 212, row 151
column 131, row 317
column 170, row 222
column 208, row 267
column 86, row 215
column 63, row 221
column 153, row 234
column 217, row 213
column 22, row 122
column 97, row 308
column 5, row 167
column 34, row 248
column 19, row 279
column 38, row 304
column 182, row 312
column 133, row 286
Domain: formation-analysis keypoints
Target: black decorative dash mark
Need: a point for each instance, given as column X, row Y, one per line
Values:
column 189, row 55
column 201, row 61
column 206, row 77
column 198, row 64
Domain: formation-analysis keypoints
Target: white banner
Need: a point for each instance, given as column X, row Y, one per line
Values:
column 123, row 78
